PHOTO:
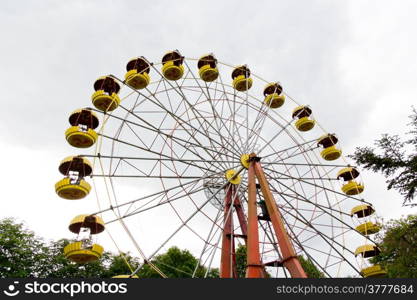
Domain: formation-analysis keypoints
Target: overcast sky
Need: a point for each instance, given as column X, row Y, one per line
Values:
column 354, row 62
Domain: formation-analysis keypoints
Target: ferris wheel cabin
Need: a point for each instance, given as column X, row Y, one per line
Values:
column 73, row 186
column 172, row 65
column 105, row 97
column 302, row 114
column 363, row 214
column 72, row 189
column 273, row 95
column 137, row 76
column 348, row 175
column 207, row 68
column 84, row 250
column 375, row 271
column 367, row 251
column 328, row 143
column 81, row 254
column 80, row 165
column 241, row 78
column 94, row 223
column 81, row 134
column 361, row 211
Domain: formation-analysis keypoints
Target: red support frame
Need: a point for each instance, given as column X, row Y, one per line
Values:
column 241, row 216
column 289, row 256
column 228, row 257
column 250, row 230
column 254, row 267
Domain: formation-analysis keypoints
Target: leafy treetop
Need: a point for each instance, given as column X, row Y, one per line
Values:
column 393, row 162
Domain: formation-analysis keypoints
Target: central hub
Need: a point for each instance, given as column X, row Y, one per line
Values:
column 245, row 159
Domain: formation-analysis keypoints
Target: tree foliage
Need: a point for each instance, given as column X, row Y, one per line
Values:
column 241, row 261
column 391, row 159
column 23, row 254
column 121, row 265
column 310, row 268
column 176, row 263
column 398, row 244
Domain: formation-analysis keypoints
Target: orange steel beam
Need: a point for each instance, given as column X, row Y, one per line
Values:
column 228, row 258
column 241, row 216
column 289, row 257
column 254, row 266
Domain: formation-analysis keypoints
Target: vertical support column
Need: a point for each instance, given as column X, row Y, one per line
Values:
column 227, row 264
column 290, row 259
column 241, row 217
column 254, row 269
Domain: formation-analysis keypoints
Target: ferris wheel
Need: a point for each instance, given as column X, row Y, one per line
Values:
column 208, row 156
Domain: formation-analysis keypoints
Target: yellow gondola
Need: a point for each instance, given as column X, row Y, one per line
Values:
column 368, row 228
column 348, row 173
column 105, row 97
column 363, row 210
column 303, row 113
column 70, row 189
column 241, row 78
column 81, row 134
column 172, row 65
column 137, row 75
column 328, row 142
column 207, row 68
column 351, row 187
column 79, row 254
column 94, row 223
column 84, row 117
column 273, row 95
column 77, row 164
column 375, row 271
column 367, row 251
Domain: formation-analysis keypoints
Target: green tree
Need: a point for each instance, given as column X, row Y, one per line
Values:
column 392, row 160
column 175, row 263
column 310, row 268
column 22, row 253
column 119, row 265
column 398, row 244
column 241, row 261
